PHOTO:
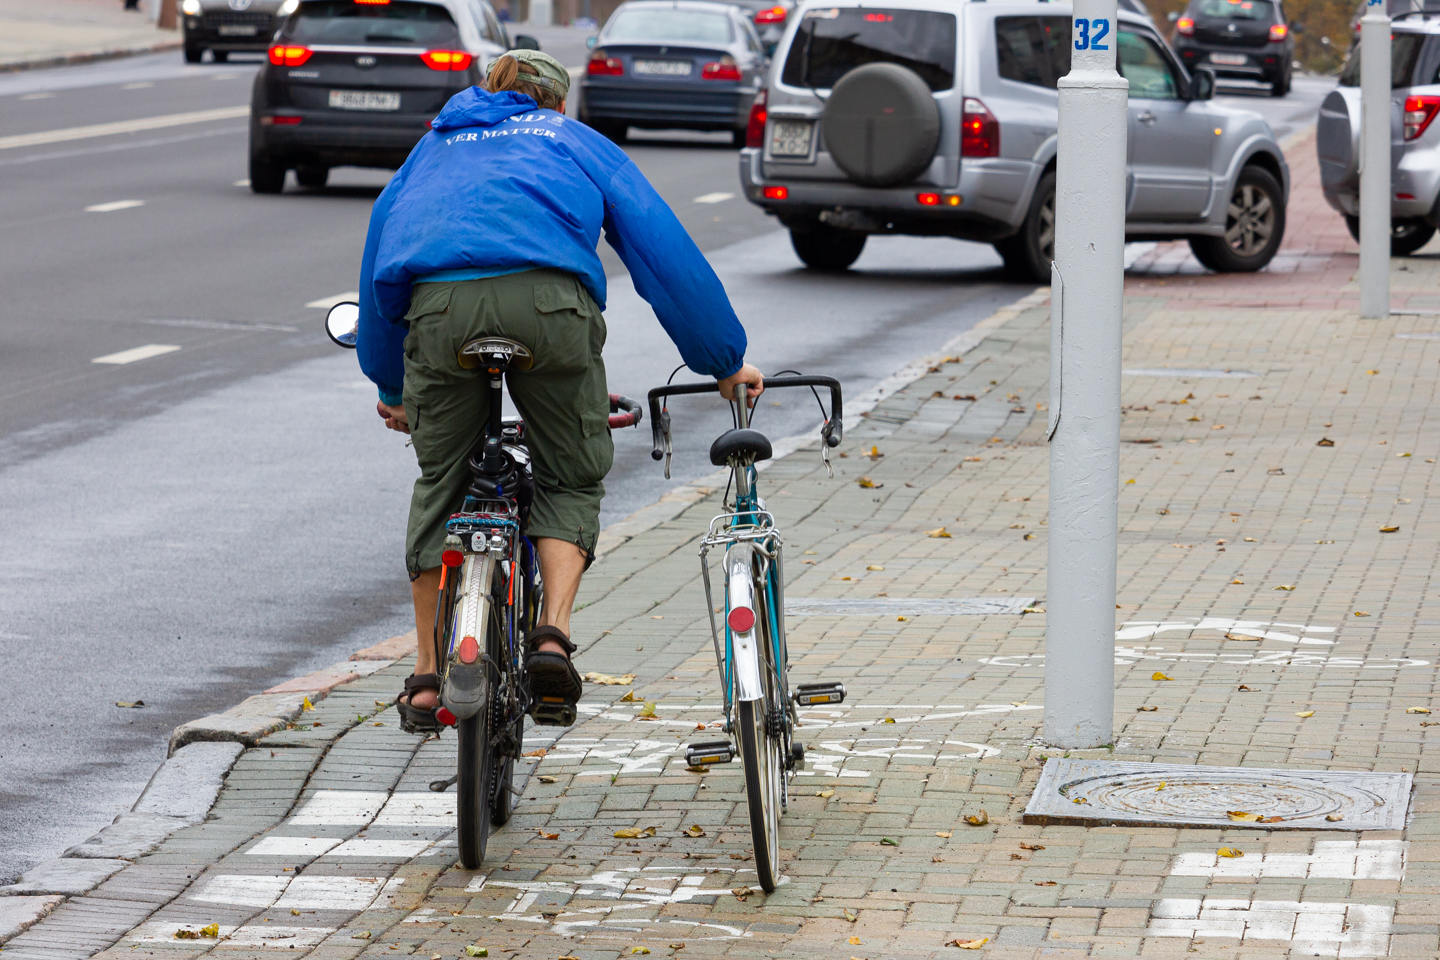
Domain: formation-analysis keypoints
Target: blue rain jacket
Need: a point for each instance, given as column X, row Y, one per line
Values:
column 499, row 186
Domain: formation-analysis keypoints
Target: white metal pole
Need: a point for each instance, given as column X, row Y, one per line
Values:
column 1375, row 161
column 1087, row 284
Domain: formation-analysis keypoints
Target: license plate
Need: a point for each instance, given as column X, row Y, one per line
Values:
column 238, row 30
column 663, row 68
column 790, row 138
column 364, row 100
column 1228, row 59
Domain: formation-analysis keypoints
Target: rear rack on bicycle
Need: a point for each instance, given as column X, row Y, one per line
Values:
column 740, row 527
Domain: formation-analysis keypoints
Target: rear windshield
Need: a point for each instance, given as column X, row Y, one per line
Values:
column 831, row 42
column 344, row 21
column 1404, row 55
column 674, row 26
column 1235, row 10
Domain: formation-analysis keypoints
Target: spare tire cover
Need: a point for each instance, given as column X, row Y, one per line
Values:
column 882, row 125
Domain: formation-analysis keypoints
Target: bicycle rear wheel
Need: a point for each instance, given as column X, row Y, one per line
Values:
column 475, row 758
column 761, row 751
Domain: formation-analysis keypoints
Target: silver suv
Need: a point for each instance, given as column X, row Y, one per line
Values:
column 1414, row 136
column 931, row 117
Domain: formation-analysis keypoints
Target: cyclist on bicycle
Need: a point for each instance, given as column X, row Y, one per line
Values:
column 490, row 229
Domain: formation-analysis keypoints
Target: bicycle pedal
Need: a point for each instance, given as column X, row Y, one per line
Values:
column 705, row 754
column 810, row 694
column 552, row 712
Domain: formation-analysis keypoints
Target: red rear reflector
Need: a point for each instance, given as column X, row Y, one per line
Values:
column 601, row 65
column 443, row 714
column 1419, row 112
column 285, row 55
column 452, row 558
column 776, row 193
column 469, row 650
column 281, row 121
column 979, row 130
column 1278, row 32
column 928, row 199
column 1404, row 196
column 741, row 619
column 771, row 15
column 755, row 128
column 1185, row 26
column 725, row 69
column 446, row 59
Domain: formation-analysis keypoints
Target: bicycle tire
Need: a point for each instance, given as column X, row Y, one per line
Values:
column 502, row 796
column 474, row 757
column 757, row 756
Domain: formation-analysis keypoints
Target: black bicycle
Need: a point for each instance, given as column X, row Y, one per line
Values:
column 490, row 598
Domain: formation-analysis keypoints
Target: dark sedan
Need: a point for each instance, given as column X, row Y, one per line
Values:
column 356, row 84
column 225, row 27
column 673, row 65
column 1249, row 39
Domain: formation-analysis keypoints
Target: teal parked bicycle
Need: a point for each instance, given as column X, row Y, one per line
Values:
column 760, row 708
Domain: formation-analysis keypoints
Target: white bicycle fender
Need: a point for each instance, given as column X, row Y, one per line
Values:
column 464, row 690
column 740, row 592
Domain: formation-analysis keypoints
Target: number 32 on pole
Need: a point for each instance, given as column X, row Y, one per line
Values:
column 1090, row 34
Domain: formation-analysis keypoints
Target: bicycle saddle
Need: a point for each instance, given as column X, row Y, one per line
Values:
column 474, row 352
column 746, row 444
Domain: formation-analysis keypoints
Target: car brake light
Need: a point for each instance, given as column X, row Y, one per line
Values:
column 280, row 120
column 879, row 18
column 723, row 69
column 979, row 130
column 283, row 55
column 1419, row 111
column 771, row 15
column 777, row 193
column 755, row 128
column 928, row 199
column 1185, row 26
column 741, row 619
column 1278, row 32
column 601, row 65
column 372, row 3
column 447, row 59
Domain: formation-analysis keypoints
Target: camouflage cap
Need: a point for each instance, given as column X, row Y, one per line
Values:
column 549, row 74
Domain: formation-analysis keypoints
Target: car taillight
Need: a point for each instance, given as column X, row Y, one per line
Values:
column 771, row 15
column 601, row 65
column 283, row 55
column 723, row 69
column 755, row 129
column 447, row 59
column 1419, row 111
column 979, row 130
column 372, row 3
column 776, row 193
column 741, row 619
column 1185, row 26
column 1278, row 32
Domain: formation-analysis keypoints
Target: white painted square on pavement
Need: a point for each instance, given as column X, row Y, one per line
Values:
column 241, row 890
column 417, row 809
column 306, row 847
column 1313, row 929
column 340, row 808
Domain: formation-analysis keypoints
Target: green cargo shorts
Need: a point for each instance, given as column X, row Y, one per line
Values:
column 562, row 397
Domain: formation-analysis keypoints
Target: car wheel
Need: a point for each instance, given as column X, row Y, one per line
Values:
column 194, row 54
column 738, row 138
column 312, row 176
column 1254, row 226
column 825, row 248
column 1030, row 252
column 1281, row 86
column 220, row 55
column 1406, row 236
column 266, row 176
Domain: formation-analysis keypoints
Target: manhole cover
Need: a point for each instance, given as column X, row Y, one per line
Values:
column 1152, row 794
column 907, row 606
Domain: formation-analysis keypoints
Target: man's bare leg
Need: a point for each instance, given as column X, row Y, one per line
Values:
column 561, row 566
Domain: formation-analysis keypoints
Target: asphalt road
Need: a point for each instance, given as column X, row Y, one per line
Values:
column 224, row 511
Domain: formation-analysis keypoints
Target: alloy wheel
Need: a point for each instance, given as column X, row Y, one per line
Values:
column 1249, row 220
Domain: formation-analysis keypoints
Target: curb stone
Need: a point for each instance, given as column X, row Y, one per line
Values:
column 89, row 56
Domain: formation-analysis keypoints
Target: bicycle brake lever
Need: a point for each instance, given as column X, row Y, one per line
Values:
column 825, row 459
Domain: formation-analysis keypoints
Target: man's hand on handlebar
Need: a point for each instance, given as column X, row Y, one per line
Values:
column 394, row 417
column 753, row 379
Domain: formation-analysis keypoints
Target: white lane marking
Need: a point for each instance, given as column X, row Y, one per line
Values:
column 325, row 303
column 1293, row 632
column 375, row 848
column 242, row 183
column 1332, row 860
column 299, row 893
column 1127, row 656
column 37, row 96
column 340, row 807
column 240, row 890
column 114, row 205
column 137, row 353
column 122, row 126
column 138, row 85
column 1312, row 929
column 293, row 846
column 718, row 197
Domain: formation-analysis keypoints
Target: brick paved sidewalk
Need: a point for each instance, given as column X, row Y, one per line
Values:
column 333, row 847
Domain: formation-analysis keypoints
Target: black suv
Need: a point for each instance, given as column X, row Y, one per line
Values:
column 357, row 84
column 1250, row 39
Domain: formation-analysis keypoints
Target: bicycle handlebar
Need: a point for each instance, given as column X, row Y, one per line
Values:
column 624, row 412
column 831, row 432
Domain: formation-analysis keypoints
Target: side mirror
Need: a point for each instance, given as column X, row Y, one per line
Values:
column 1172, row 16
column 590, row 42
column 1202, row 84
column 523, row 41
column 341, row 323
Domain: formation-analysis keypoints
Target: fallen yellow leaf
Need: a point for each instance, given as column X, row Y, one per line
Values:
column 1243, row 816
column 854, row 941
column 901, row 619
column 1079, row 800
column 867, row 484
column 1238, row 581
column 888, row 720
column 1286, row 586
column 1362, row 613
column 1334, row 817
column 606, row 680
column 647, row 709
column 1242, row 636
column 1389, row 529
column 694, row 830
column 635, row 833
column 1230, row 852
column 543, row 778
column 874, row 566
column 825, row 794
column 629, row 697
column 475, row 950
column 850, row 916
column 939, row 533
column 639, row 949
column 537, row 752
column 1162, row 786
column 1417, row 709
column 1146, row 709
column 968, row 944
column 875, row 453
column 1032, row 846
column 306, row 705
column 943, row 834
column 1157, row 675
column 1372, row 372
column 1303, row 714
column 979, row 819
